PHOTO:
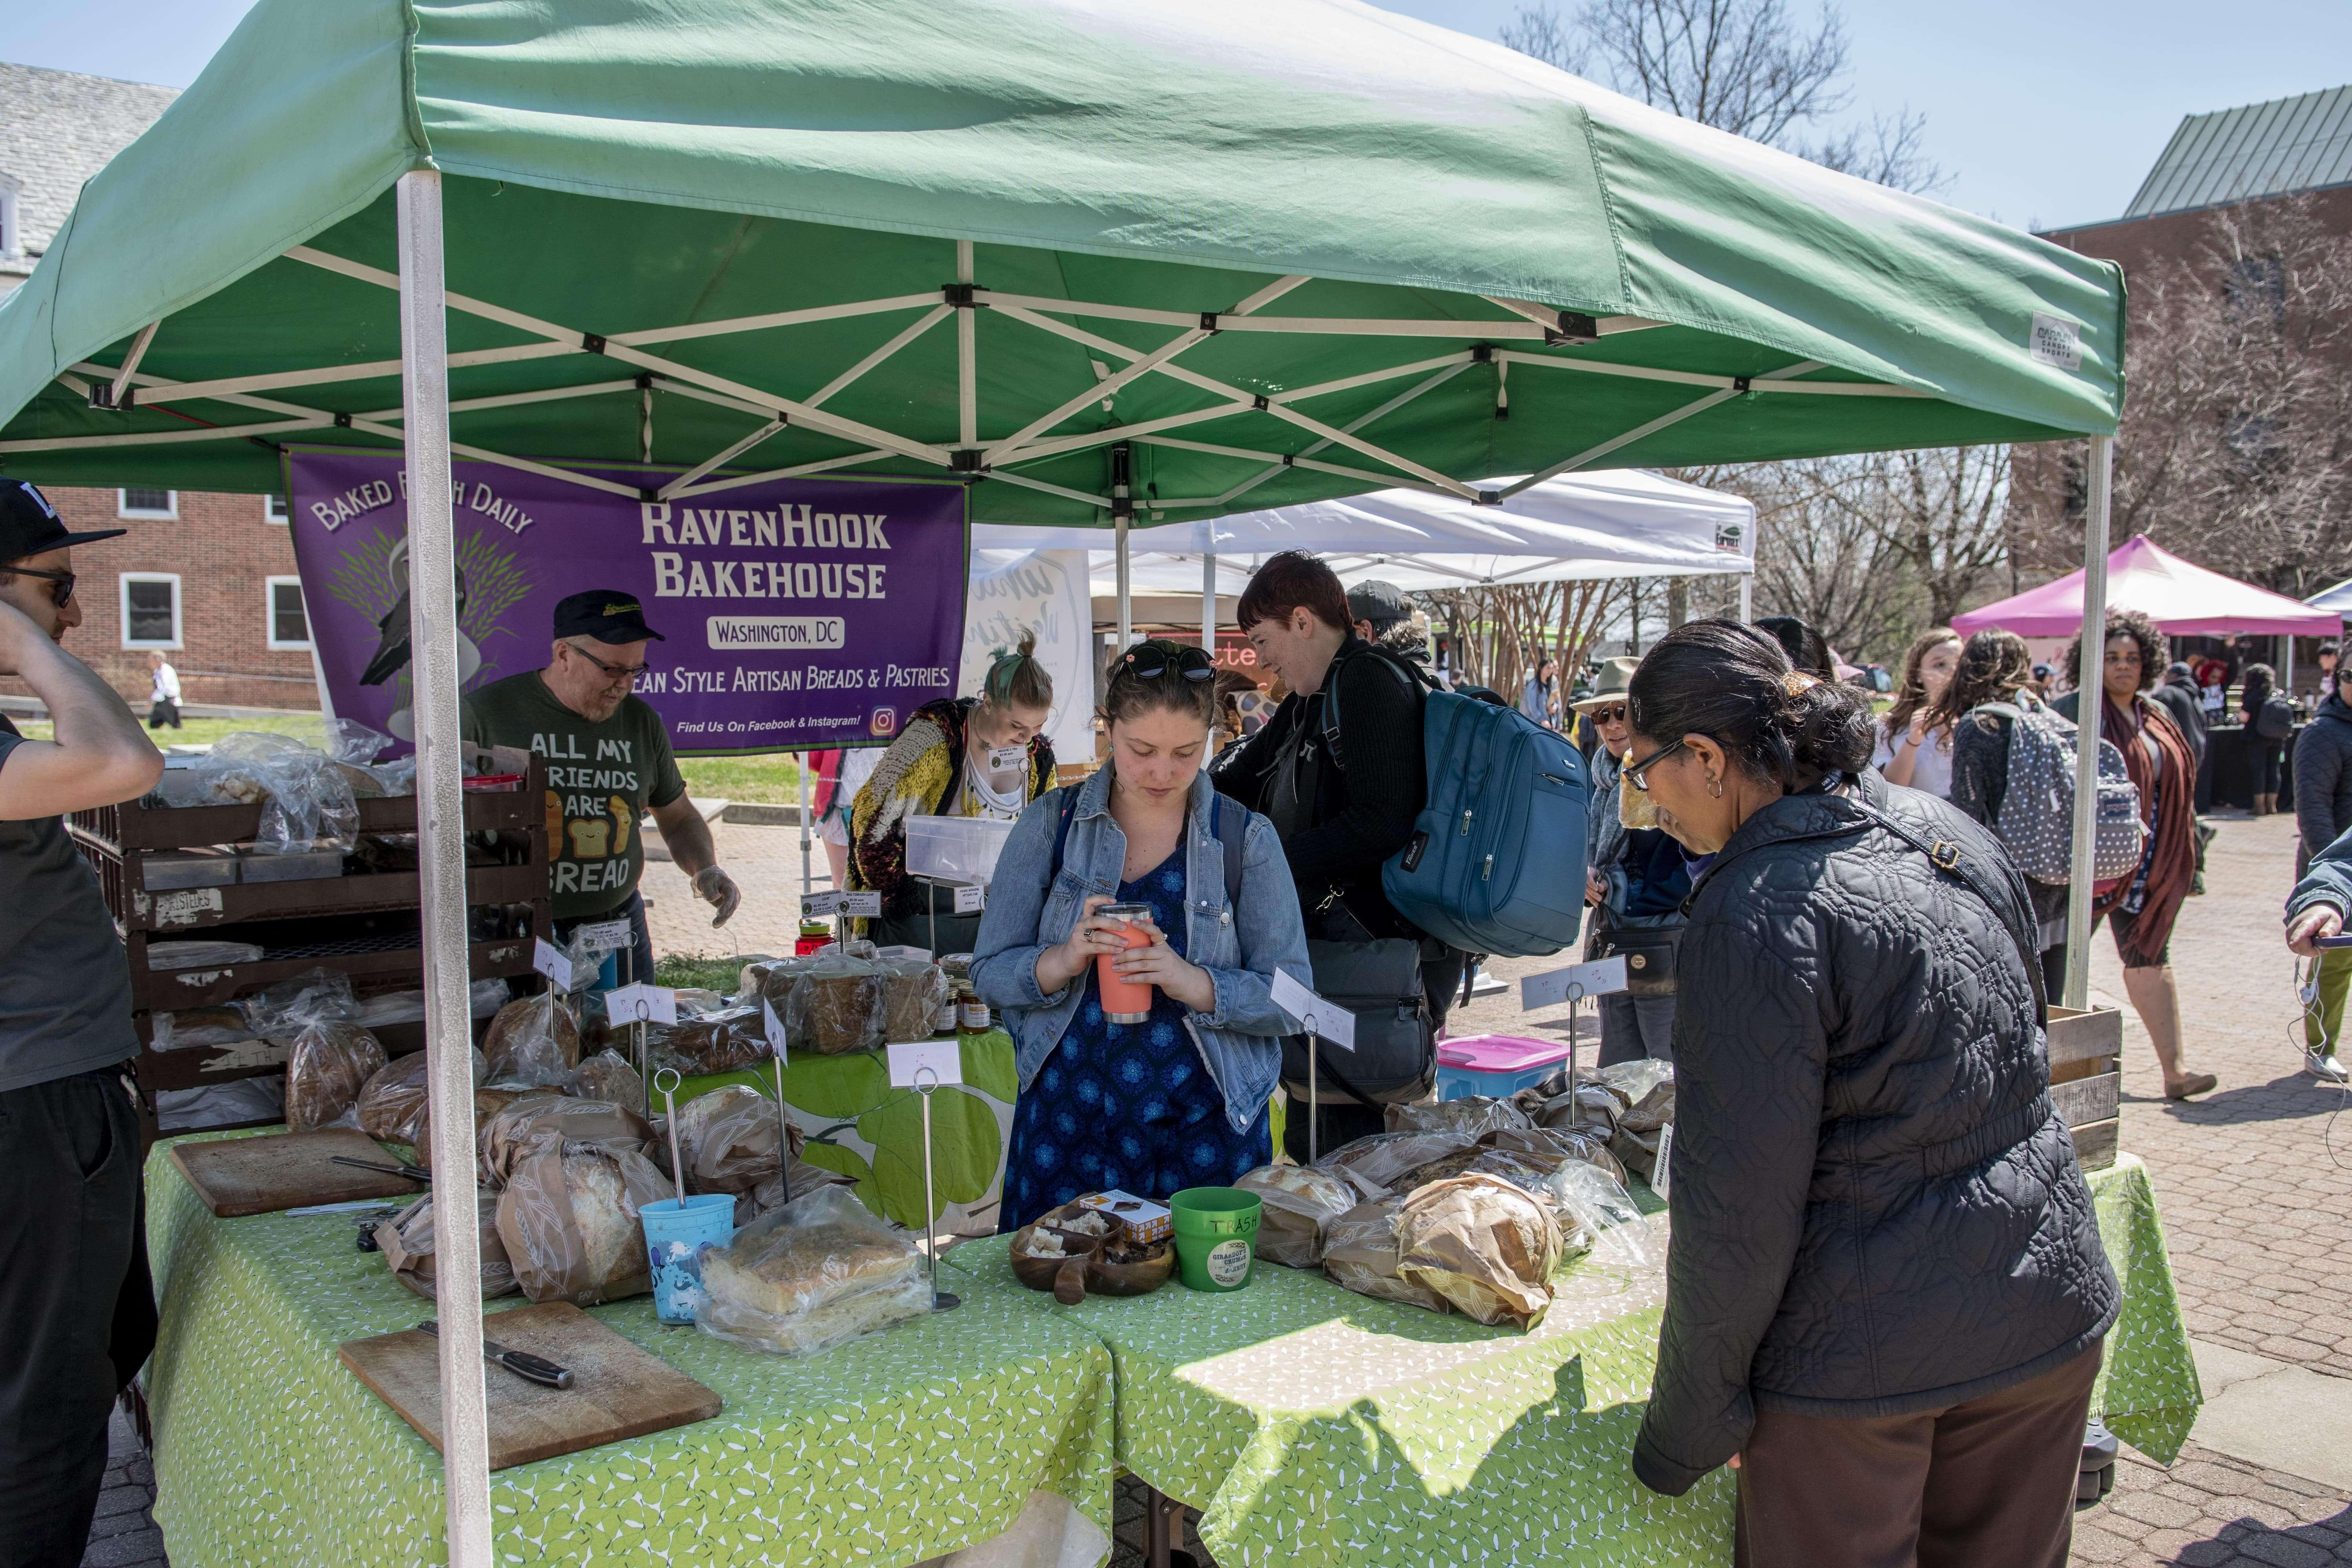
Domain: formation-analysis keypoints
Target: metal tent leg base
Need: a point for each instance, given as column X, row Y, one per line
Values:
column 1163, row 1527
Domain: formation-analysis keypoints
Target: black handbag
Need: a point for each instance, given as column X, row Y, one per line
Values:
column 1395, row 1058
column 1649, row 955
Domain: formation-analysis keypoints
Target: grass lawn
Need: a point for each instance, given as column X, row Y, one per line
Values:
column 719, row 975
column 203, row 732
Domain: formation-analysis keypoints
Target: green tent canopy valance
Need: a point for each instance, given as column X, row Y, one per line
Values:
column 1207, row 254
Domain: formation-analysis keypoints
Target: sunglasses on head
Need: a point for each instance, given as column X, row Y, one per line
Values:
column 1155, row 660
column 61, row 583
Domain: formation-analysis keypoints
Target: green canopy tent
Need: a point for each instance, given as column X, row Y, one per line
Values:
column 1149, row 259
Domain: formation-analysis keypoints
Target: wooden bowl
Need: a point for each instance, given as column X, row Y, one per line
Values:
column 1065, row 1275
column 1105, row 1278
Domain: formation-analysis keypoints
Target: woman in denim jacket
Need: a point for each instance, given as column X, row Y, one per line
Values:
column 1180, row 1099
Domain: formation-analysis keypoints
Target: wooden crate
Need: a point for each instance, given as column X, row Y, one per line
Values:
column 361, row 925
column 2086, row 1078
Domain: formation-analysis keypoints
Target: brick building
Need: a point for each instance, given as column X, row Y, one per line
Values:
column 208, row 580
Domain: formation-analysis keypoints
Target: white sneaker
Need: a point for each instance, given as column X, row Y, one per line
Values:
column 2326, row 1068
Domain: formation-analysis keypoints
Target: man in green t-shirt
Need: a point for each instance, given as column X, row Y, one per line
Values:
column 608, row 768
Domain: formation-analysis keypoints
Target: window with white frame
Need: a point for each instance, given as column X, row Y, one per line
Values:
column 274, row 510
column 12, row 238
column 289, row 624
column 150, row 609
column 147, row 503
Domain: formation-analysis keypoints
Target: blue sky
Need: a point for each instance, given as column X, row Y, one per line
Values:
column 2046, row 112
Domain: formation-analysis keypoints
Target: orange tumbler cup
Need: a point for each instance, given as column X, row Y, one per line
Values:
column 1124, row 1001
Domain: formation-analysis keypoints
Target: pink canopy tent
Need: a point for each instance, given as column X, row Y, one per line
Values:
column 2186, row 600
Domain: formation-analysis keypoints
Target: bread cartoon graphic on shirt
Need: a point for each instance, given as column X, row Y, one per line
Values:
column 590, row 837
column 623, row 819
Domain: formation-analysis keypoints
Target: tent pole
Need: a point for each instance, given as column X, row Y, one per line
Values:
column 1125, row 599
column 1748, row 596
column 2089, row 707
column 1209, row 604
column 805, row 887
column 441, row 854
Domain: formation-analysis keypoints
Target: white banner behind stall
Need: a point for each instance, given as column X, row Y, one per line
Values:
column 1046, row 590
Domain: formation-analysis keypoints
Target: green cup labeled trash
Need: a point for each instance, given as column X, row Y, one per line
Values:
column 1216, row 1235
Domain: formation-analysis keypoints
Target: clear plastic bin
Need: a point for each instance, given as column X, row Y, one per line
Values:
column 955, row 848
column 190, row 868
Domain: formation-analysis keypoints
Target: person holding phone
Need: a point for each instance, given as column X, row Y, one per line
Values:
column 2315, row 929
column 1178, row 1097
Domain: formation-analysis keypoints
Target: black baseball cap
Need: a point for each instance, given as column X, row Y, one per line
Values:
column 606, row 613
column 1376, row 602
column 29, row 525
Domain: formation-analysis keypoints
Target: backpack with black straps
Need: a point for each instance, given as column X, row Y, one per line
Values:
column 1496, row 863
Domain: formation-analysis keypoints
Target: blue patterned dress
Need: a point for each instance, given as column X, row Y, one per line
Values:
column 1130, row 1106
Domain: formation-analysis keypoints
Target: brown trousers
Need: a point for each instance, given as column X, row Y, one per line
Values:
column 1988, row 1483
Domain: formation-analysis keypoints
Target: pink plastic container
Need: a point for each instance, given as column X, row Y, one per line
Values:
column 1497, row 1064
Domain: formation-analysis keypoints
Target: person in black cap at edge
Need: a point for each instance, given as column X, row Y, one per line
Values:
column 608, row 768
column 76, row 1302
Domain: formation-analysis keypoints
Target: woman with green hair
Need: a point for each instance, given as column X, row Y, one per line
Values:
column 964, row 756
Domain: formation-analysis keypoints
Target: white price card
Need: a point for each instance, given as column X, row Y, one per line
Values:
column 1602, row 977
column 868, row 905
column 548, row 960
column 1004, row 759
column 971, row 900
column 1314, row 1014
column 922, row 954
column 641, row 1003
column 926, row 1064
column 605, row 936
column 775, row 1026
column 821, row 906
column 1662, row 1178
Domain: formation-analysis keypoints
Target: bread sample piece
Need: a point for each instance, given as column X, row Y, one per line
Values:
column 816, row 1273
column 326, row 1065
column 1359, row 1253
column 534, row 1040
column 1296, row 1203
column 1484, row 1245
column 569, row 1221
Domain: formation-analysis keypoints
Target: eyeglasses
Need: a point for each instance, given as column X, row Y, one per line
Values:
column 1616, row 715
column 1637, row 774
column 61, row 583
column 1154, row 660
column 615, row 673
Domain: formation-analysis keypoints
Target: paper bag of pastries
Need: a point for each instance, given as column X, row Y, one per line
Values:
column 1296, row 1203
column 570, row 1219
column 1359, row 1253
column 1484, row 1245
column 541, row 1123
column 816, row 1273
column 488, row 1102
column 391, row 1105
column 407, row 1242
column 534, row 1040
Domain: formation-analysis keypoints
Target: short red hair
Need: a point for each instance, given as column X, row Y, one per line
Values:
column 1291, row 581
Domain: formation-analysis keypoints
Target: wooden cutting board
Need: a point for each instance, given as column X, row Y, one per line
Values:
column 237, row 1176
column 617, row 1390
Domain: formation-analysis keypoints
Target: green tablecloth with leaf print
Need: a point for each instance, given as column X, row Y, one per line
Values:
column 923, row 1439
column 858, row 1125
column 1310, row 1425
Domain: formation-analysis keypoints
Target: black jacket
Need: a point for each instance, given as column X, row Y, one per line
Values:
column 1875, row 1209
column 2323, row 777
column 2181, row 700
column 1364, row 809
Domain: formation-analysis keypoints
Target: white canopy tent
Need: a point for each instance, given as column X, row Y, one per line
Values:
column 1618, row 523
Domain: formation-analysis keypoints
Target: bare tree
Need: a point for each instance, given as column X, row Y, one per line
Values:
column 1941, row 513
column 2236, row 445
column 1501, row 631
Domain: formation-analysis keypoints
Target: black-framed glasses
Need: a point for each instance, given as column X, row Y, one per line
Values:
column 61, row 583
column 1638, row 773
column 616, row 673
column 1153, row 660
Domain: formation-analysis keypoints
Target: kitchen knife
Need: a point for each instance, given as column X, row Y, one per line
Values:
column 412, row 1172
column 523, row 1363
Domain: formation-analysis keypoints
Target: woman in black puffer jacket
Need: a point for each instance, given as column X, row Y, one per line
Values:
column 1887, row 1292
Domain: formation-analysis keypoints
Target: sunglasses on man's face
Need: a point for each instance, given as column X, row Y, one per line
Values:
column 61, row 583
column 1616, row 715
column 1153, row 662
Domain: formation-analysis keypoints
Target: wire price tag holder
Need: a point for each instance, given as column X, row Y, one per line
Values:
column 668, row 1090
column 927, row 1082
column 1576, row 996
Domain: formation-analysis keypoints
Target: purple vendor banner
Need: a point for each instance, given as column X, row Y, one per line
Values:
column 796, row 612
